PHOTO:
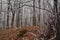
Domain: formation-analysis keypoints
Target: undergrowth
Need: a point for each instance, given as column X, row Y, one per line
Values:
column 21, row 33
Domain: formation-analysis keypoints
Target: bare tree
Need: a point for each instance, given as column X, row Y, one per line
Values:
column 13, row 15
column 0, row 14
column 34, row 15
column 18, row 14
column 57, row 19
column 8, row 10
column 39, row 13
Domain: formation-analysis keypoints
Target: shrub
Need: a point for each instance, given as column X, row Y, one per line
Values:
column 21, row 33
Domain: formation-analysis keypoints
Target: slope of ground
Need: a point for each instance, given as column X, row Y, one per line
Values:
column 25, row 33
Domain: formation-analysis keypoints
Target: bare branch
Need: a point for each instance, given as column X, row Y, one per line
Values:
column 36, row 7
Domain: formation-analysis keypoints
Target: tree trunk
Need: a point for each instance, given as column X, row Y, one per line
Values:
column 39, row 13
column 57, row 18
column 34, row 16
column 18, row 15
column 13, row 16
column 8, row 14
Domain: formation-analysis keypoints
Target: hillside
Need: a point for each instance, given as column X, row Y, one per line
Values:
column 25, row 33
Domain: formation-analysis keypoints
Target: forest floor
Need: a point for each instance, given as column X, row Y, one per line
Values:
column 25, row 33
